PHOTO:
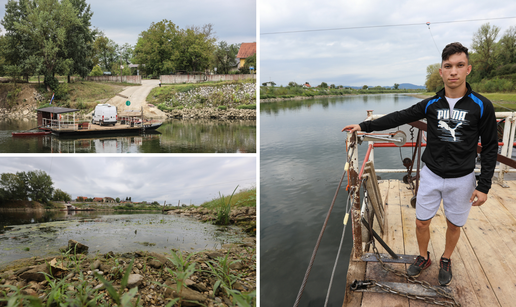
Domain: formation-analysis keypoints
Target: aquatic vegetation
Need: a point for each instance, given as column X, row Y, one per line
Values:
column 224, row 209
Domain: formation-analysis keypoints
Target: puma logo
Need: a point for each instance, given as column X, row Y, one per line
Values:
column 445, row 126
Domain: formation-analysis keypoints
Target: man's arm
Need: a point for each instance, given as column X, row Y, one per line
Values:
column 489, row 140
column 391, row 120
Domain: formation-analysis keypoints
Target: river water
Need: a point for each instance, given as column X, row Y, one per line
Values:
column 41, row 233
column 302, row 155
column 174, row 136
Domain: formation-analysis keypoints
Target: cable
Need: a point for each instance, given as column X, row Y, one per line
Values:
column 433, row 39
column 382, row 26
column 348, row 209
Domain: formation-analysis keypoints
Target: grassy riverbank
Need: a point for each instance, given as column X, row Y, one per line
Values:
column 271, row 92
column 223, row 95
column 503, row 102
column 83, row 95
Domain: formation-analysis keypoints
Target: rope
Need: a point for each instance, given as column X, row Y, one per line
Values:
column 348, row 209
column 314, row 253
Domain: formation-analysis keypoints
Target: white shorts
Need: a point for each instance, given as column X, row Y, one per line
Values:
column 454, row 192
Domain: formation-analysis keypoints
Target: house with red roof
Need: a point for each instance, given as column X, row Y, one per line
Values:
column 246, row 50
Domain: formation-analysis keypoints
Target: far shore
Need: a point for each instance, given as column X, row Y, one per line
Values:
column 270, row 100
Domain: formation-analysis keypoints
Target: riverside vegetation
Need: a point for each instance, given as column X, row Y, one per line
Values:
column 222, row 95
column 224, row 277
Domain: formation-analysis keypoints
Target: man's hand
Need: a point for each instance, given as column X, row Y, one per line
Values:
column 351, row 128
column 481, row 198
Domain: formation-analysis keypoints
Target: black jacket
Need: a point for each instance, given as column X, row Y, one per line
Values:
column 452, row 140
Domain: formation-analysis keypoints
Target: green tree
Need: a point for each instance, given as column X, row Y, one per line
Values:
column 18, row 48
column 13, row 186
column 225, row 57
column 396, row 86
column 507, row 46
column 39, row 186
column 47, row 23
column 365, row 87
column 323, row 85
column 484, row 46
column 157, row 48
column 60, row 195
column 434, row 82
column 196, row 49
column 292, row 84
column 117, row 199
column 79, row 41
column 126, row 53
column 105, row 52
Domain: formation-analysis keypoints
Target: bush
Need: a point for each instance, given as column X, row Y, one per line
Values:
column 247, row 106
column 222, row 107
column 96, row 71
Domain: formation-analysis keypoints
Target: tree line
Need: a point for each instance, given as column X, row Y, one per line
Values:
column 33, row 185
column 56, row 37
column 493, row 61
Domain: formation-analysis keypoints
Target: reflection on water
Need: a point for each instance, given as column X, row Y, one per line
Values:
column 302, row 156
column 43, row 233
column 174, row 136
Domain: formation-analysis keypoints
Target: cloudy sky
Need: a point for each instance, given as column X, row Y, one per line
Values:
column 123, row 20
column 189, row 179
column 370, row 54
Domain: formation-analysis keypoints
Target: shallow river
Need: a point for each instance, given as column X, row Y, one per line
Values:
column 41, row 234
column 174, row 136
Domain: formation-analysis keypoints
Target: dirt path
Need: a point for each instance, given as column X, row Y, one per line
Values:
column 137, row 95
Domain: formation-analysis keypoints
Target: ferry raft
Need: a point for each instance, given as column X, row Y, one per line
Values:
column 62, row 122
column 382, row 213
column 483, row 263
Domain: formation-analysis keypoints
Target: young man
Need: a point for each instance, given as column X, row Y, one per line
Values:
column 456, row 118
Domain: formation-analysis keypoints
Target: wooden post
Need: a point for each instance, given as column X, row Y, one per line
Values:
column 355, row 210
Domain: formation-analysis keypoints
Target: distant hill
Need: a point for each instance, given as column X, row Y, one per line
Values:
column 410, row 86
column 404, row 86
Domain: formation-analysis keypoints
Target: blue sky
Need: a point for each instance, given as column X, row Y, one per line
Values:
column 367, row 56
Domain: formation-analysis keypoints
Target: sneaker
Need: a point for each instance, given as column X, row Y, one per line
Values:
column 445, row 274
column 419, row 265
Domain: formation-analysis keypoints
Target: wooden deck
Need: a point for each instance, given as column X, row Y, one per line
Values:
column 483, row 263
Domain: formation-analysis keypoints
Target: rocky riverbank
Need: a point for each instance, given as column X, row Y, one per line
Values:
column 208, row 278
column 212, row 113
column 244, row 216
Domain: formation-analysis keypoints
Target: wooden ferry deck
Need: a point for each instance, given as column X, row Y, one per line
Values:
column 483, row 263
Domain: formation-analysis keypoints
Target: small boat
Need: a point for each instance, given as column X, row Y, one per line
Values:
column 30, row 133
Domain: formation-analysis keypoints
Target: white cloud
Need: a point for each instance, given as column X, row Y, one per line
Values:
column 366, row 52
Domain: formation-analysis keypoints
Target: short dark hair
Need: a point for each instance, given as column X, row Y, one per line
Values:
column 452, row 49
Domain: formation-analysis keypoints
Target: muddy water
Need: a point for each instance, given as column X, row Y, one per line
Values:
column 41, row 234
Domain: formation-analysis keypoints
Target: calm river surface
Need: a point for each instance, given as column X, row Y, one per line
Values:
column 44, row 232
column 175, row 136
column 302, row 157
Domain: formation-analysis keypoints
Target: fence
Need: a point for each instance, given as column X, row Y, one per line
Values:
column 126, row 79
column 197, row 78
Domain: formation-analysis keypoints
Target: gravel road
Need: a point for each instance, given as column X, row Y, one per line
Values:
column 137, row 95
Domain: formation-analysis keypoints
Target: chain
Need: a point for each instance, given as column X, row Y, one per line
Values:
column 422, row 283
